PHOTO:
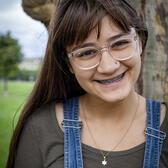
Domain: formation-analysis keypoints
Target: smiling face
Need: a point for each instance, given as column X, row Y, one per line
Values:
column 110, row 80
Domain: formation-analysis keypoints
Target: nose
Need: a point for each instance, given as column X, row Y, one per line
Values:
column 107, row 63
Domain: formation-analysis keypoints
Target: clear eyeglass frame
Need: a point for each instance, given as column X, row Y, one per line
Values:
column 132, row 36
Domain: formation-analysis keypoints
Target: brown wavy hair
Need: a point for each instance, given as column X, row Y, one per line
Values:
column 71, row 24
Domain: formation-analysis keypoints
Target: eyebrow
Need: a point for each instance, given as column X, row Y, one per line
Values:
column 93, row 44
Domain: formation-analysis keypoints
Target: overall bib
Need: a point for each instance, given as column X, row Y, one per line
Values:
column 72, row 135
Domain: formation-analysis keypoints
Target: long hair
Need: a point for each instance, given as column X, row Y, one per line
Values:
column 71, row 24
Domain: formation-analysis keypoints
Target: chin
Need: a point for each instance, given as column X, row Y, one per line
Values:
column 116, row 96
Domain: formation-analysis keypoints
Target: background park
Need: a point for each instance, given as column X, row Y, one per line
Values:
column 23, row 37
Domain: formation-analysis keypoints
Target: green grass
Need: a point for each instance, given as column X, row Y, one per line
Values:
column 10, row 105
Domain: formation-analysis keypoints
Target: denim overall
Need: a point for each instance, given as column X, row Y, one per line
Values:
column 72, row 135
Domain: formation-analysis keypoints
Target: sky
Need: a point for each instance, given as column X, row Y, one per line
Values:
column 31, row 34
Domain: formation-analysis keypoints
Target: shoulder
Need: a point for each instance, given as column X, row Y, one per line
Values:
column 42, row 121
column 39, row 134
column 41, row 115
column 163, row 112
column 43, row 126
column 164, row 119
column 59, row 108
column 164, row 106
column 164, row 128
column 59, row 113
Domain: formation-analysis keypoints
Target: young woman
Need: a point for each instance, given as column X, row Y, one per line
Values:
column 84, row 110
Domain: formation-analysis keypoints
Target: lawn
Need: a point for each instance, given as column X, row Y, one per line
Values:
column 10, row 106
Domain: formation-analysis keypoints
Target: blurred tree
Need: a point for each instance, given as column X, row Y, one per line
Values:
column 10, row 56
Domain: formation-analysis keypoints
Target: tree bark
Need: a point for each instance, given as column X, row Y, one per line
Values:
column 153, row 81
column 41, row 10
column 155, row 71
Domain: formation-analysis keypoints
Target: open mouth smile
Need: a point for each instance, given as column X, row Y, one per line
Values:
column 113, row 80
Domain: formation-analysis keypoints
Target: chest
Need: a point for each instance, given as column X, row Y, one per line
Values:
column 72, row 137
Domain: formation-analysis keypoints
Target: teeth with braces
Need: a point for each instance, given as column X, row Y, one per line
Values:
column 115, row 79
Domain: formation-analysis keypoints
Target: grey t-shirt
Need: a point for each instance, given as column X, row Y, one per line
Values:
column 41, row 146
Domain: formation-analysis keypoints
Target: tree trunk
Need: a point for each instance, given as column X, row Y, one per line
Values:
column 153, row 81
column 41, row 10
column 5, row 86
column 155, row 72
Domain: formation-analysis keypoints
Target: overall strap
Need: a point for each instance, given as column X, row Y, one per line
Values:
column 72, row 134
column 154, row 137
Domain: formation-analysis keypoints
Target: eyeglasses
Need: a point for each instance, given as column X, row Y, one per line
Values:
column 120, row 49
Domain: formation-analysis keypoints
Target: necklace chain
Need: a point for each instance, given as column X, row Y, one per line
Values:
column 104, row 162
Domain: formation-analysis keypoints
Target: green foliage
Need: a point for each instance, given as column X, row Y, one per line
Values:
column 27, row 75
column 10, row 55
column 24, row 75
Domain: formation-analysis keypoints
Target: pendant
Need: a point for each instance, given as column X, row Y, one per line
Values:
column 104, row 162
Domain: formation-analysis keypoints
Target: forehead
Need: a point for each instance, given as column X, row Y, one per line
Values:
column 108, row 28
column 101, row 33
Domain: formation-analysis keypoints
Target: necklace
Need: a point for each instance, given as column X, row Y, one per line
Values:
column 104, row 161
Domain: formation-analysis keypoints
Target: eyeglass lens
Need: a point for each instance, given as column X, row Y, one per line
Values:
column 120, row 49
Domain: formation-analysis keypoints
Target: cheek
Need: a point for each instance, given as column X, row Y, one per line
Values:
column 133, row 62
column 84, row 82
column 134, row 67
column 83, row 77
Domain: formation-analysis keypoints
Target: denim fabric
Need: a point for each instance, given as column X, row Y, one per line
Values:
column 72, row 135
column 154, row 137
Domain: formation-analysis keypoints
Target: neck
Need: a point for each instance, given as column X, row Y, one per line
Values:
column 102, row 110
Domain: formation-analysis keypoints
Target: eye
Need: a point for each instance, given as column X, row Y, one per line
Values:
column 120, row 44
column 85, row 53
